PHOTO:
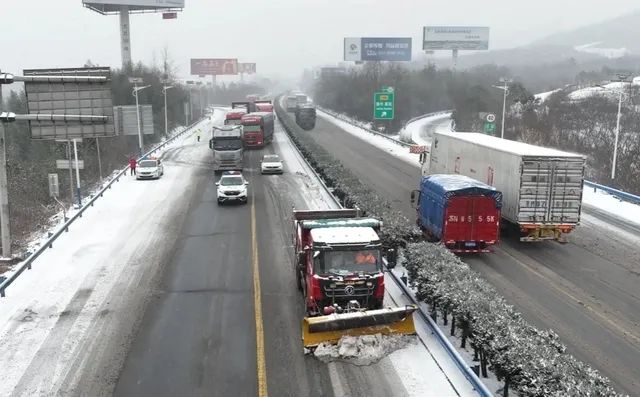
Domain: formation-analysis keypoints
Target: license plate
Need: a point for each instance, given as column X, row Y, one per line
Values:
column 470, row 244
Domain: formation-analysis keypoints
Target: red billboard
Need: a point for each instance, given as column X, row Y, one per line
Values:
column 248, row 68
column 214, row 66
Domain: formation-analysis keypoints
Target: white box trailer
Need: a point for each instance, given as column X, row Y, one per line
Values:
column 541, row 187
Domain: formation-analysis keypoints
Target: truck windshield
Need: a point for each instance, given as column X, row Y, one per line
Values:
column 227, row 144
column 148, row 164
column 252, row 128
column 345, row 263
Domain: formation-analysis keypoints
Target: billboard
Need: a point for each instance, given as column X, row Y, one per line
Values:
column 126, row 119
column 455, row 38
column 111, row 6
column 214, row 66
column 377, row 49
column 248, row 68
column 331, row 71
column 69, row 98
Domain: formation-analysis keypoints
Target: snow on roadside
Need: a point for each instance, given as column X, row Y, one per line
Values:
column 87, row 280
column 543, row 96
column 421, row 130
column 613, row 205
column 362, row 350
column 56, row 221
column 382, row 143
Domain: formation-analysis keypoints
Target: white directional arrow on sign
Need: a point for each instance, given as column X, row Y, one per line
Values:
column 383, row 114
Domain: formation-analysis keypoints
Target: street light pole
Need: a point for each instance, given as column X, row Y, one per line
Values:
column 5, row 225
column 505, row 89
column 620, row 93
column 504, row 108
column 135, row 94
column 164, row 91
column 615, row 145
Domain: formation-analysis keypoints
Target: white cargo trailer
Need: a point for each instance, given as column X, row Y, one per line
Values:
column 541, row 187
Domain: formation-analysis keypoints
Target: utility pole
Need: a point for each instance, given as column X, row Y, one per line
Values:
column 621, row 78
column 75, row 155
column 5, row 224
column 135, row 81
column 70, row 170
column 99, row 159
column 615, row 144
column 504, row 108
column 505, row 89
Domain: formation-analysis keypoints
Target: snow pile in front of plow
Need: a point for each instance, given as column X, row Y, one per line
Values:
column 362, row 350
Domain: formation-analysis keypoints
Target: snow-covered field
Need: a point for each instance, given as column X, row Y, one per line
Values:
column 86, row 293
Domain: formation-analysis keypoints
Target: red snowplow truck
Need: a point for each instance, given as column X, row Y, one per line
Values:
column 340, row 271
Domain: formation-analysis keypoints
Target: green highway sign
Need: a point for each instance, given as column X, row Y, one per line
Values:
column 383, row 105
column 489, row 128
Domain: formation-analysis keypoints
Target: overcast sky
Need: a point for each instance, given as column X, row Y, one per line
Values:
column 282, row 36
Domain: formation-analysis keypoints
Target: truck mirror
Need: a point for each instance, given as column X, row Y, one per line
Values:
column 392, row 258
column 415, row 198
column 210, row 143
column 423, row 157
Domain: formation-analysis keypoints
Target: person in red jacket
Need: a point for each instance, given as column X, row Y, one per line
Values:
column 132, row 165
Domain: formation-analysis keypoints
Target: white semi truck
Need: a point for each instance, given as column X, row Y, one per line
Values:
column 541, row 187
column 228, row 148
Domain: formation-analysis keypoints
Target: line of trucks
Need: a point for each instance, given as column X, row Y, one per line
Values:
column 304, row 111
column 474, row 185
column 247, row 125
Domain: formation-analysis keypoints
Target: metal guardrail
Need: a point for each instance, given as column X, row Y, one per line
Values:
column 27, row 263
column 450, row 349
column 427, row 115
column 632, row 198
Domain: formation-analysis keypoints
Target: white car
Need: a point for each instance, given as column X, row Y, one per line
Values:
column 271, row 164
column 149, row 169
column 232, row 187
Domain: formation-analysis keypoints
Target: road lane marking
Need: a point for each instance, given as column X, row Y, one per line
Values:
column 608, row 323
column 257, row 303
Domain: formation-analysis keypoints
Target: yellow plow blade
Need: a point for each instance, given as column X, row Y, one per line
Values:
column 330, row 328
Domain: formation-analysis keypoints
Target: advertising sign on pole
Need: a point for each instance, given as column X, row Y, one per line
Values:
column 455, row 38
column 126, row 120
column 65, row 164
column 383, row 105
column 54, row 186
column 377, row 49
column 111, row 6
column 248, row 68
column 214, row 66
column 55, row 92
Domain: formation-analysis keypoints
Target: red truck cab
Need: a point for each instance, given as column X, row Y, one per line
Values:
column 258, row 129
column 264, row 106
column 338, row 261
column 234, row 117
